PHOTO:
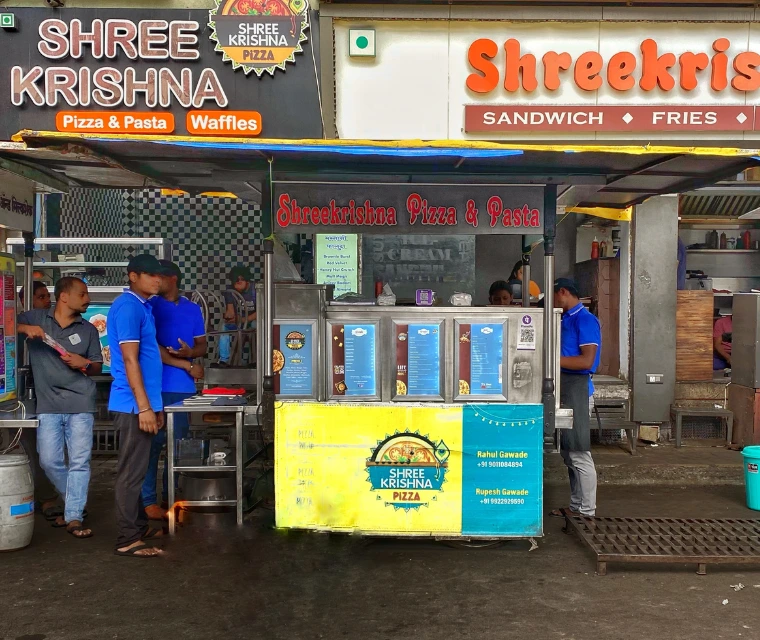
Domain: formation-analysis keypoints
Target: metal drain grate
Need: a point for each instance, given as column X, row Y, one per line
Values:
column 669, row 540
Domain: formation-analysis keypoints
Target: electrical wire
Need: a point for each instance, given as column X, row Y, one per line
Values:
column 316, row 74
column 17, row 438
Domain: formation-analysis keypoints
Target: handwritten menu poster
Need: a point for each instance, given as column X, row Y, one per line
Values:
column 293, row 357
column 480, row 359
column 354, row 360
column 337, row 262
column 418, row 360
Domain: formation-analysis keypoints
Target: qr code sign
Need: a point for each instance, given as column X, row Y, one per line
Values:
column 527, row 334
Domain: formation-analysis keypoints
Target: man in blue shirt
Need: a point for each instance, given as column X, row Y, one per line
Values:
column 181, row 336
column 242, row 282
column 135, row 400
column 580, row 351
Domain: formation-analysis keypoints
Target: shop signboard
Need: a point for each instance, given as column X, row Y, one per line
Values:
column 573, row 79
column 472, row 470
column 243, row 69
column 307, row 207
column 16, row 202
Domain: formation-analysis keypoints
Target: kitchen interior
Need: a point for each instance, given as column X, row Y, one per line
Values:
column 719, row 227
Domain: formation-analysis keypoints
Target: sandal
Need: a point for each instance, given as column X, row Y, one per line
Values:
column 132, row 552
column 154, row 533
column 562, row 513
column 76, row 530
column 51, row 513
column 59, row 523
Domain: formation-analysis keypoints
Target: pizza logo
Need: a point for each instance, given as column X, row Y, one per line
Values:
column 407, row 470
column 295, row 340
column 259, row 35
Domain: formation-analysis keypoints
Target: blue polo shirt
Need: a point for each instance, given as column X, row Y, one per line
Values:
column 175, row 321
column 131, row 320
column 579, row 328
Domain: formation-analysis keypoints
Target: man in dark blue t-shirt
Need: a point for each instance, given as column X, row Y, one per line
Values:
column 242, row 282
column 181, row 336
column 135, row 399
column 580, row 352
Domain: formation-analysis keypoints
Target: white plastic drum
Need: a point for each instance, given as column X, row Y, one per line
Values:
column 16, row 502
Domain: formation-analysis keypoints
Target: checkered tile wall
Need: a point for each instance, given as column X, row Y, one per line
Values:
column 209, row 235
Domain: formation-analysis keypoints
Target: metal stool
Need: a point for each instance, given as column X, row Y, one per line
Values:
column 724, row 414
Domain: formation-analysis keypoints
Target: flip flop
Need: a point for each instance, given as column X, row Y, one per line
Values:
column 153, row 533
column 73, row 531
column 561, row 513
column 132, row 553
column 51, row 513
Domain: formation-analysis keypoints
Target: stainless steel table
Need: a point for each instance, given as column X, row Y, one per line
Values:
column 237, row 468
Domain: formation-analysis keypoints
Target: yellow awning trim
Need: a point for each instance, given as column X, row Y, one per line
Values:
column 608, row 213
column 403, row 144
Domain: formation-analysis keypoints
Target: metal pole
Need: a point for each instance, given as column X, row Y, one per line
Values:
column 268, row 314
column 28, row 301
column 548, row 386
column 525, row 274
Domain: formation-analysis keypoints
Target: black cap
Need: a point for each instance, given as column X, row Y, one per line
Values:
column 145, row 263
column 240, row 271
column 566, row 283
column 171, row 269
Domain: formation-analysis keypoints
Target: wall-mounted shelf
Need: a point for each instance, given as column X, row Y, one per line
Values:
column 722, row 250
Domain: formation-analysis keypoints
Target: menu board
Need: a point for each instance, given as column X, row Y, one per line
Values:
column 354, row 360
column 8, row 385
column 418, row 360
column 336, row 262
column 481, row 349
column 97, row 315
column 293, row 359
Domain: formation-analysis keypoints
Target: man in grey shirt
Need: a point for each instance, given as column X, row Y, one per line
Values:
column 65, row 394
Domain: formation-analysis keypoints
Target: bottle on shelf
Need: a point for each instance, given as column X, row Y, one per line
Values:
column 747, row 239
column 595, row 249
column 713, row 241
column 723, row 240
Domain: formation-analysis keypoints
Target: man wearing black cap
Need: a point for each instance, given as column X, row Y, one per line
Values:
column 580, row 351
column 135, row 399
column 181, row 336
column 242, row 282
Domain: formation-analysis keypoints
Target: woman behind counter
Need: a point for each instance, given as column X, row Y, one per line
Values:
column 500, row 294
column 517, row 274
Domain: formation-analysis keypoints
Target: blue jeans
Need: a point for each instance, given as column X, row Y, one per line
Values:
column 74, row 432
column 181, row 428
column 225, row 344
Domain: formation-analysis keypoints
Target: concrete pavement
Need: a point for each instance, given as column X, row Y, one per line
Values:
column 218, row 582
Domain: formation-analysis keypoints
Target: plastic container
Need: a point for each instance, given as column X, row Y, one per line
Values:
column 723, row 240
column 751, row 457
column 595, row 249
column 16, row 502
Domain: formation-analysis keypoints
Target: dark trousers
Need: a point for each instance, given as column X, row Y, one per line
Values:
column 134, row 455
column 44, row 491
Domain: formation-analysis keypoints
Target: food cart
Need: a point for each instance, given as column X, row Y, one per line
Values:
column 411, row 421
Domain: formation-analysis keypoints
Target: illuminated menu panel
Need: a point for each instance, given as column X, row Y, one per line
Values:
column 418, row 360
column 354, row 360
column 480, row 366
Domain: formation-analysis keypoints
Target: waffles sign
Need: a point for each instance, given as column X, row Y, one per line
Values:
column 259, row 35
